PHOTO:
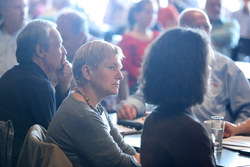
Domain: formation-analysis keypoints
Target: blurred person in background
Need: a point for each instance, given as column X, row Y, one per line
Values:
column 167, row 16
column 73, row 27
column 225, row 33
column 13, row 14
column 142, row 17
column 37, row 7
column 228, row 94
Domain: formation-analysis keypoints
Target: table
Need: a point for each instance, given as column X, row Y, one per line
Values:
column 227, row 158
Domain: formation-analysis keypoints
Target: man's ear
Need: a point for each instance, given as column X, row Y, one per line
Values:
column 86, row 72
column 40, row 51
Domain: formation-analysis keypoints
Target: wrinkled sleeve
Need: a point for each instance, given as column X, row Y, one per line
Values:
column 137, row 100
column 239, row 94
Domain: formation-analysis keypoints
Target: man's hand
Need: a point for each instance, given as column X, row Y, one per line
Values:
column 64, row 76
column 138, row 158
column 230, row 129
column 126, row 111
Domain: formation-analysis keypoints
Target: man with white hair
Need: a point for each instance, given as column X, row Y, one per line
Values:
column 27, row 96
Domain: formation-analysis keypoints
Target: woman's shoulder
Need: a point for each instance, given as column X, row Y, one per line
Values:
column 72, row 107
column 184, row 120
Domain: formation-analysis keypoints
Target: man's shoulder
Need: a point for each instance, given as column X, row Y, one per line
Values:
column 22, row 76
column 223, row 65
column 221, row 57
column 222, row 60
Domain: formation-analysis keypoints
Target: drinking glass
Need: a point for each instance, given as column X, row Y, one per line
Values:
column 217, row 128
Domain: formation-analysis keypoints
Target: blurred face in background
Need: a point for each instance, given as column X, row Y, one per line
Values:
column 71, row 39
column 200, row 21
column 148, row 16
column 14, row 13
column 213, row 9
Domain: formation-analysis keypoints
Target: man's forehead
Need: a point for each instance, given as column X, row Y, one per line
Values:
column 199, row 20
column 197, row 17
column 55, row 35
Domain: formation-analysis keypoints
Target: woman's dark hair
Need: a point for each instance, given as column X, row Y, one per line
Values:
column 136, row 8
column 175, row 69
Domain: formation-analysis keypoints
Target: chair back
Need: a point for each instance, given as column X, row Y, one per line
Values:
column 6, row 140
column 36, row 152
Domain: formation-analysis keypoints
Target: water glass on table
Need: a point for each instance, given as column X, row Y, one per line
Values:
column 217, row 128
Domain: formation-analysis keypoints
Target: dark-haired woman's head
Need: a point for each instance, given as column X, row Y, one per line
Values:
column 144, row 13
column 175, row 70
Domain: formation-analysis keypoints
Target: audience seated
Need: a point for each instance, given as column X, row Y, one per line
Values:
column 228, row 94
column 12, row 17
column 81, row 126
column 142, row 16
column 225, row 32
column 172, row 135
column 26, row 95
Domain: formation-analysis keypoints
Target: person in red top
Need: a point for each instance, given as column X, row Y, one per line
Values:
column 168, row 17
column 142, row 16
